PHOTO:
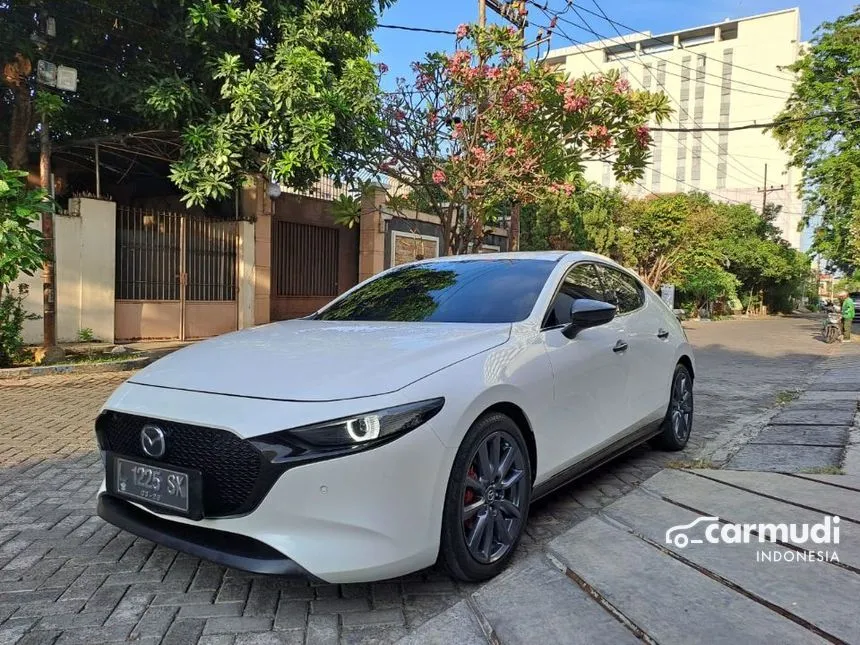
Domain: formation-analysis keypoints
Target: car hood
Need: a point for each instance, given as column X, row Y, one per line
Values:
column 309, row 360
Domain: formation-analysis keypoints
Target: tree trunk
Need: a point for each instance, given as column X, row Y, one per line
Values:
column 15, row 77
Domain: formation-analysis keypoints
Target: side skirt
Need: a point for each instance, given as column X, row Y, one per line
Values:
column 610, row 452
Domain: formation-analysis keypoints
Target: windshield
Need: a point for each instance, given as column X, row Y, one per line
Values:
column 462, row 291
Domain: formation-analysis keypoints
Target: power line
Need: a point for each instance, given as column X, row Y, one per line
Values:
column 697, row 189
column 587, row 27
column 754, row 126
column 744, row 170
column 425, row 30
column 671, row 62
column 680, row 144
column 118, row 15
column 643, row 33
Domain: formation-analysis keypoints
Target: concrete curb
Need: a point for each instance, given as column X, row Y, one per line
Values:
column 77, row 368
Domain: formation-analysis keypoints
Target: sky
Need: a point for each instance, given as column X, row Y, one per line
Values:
column 399, row 48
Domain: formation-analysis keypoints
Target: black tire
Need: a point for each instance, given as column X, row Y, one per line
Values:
column 678, row 424
column 475, row 499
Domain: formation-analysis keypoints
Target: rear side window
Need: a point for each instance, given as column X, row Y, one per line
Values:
column 622, row 290
column 580, row 282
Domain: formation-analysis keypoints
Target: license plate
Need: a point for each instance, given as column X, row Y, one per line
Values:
column 154, row 484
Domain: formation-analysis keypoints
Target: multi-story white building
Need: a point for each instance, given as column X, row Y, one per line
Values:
column 717, row 76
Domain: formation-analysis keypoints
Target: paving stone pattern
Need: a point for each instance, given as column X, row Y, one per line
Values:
column 811, row 433
column 68, row 577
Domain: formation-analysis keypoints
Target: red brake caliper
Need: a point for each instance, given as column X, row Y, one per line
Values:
column 469, row 495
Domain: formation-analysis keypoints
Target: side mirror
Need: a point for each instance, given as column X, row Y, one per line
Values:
column 585, row 313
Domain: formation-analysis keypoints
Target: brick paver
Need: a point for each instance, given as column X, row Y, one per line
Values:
column 68, row 577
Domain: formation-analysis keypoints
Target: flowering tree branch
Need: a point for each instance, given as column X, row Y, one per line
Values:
column 479, row 130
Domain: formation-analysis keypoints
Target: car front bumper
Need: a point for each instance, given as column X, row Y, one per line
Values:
column 367, row 516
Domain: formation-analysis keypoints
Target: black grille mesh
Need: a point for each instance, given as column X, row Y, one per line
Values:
column 230, row 466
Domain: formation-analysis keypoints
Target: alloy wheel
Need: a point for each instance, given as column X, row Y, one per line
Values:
column 494, row 496
column 682, row 407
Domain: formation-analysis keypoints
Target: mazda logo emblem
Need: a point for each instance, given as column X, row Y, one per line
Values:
column 152, row 441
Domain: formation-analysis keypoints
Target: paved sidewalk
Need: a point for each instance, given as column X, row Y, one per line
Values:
column 811, row 433
column 614, row 579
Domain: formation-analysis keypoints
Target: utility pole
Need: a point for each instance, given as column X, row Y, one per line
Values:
column 48, row 291
column 514, row 13
column 764, row 191
column 48, row 76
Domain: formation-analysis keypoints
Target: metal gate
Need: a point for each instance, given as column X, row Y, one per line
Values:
column 176, row 275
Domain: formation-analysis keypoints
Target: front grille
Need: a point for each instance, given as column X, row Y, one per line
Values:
column 230, row 466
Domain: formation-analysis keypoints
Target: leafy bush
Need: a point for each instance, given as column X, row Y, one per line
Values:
column 20, row 243
column 21, row 251
column 86, row 335
column 12, row 317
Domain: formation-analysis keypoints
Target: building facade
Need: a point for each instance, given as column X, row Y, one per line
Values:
column 716, row 76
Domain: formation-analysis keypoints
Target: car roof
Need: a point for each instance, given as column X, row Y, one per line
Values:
column 548, row 256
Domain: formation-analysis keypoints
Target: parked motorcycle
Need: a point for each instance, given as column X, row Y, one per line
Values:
column 832, row 330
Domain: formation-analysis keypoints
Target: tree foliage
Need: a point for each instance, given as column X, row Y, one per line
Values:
column 479, row 130
column 586, row 220
column 21, row 248
column 21, row 251
column 819, row 130
column 277, row 87
column 709, row 250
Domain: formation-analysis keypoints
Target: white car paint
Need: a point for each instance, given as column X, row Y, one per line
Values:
column 334, row 359
column 377, row 513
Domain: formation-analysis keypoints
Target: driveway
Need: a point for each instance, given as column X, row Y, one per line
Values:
column 67, row 577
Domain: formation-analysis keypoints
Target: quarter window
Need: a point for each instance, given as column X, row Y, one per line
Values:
column 580, row 282
column 622, row 290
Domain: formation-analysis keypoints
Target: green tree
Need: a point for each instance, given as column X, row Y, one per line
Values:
column 757, row 255
column 818, row 128
column 21, row 251
column 588, row 219
column 276, row 87
column 20, row 242
column 481, row 130
column 668, row 232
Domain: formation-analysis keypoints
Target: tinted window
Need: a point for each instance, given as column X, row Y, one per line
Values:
column 581, row 281
column 469, row 291
column 622, row 290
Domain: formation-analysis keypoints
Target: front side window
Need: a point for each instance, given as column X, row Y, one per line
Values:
column 622, row 290
column 462, row 291
column 580, row 282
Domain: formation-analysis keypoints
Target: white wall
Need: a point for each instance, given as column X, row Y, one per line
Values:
column 85, row 264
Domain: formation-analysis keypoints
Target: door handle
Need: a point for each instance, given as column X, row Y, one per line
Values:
column 662, row 334
column 620, row 346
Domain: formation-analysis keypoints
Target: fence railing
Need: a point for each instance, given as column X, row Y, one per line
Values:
column 158, row 253
column 305, row 259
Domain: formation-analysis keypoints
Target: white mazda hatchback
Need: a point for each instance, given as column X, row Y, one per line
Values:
column 413, row 419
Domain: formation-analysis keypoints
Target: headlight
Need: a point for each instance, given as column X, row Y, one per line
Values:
column 369, row 426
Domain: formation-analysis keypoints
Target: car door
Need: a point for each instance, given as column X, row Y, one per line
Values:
column 646, row 391
column 589, row 373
